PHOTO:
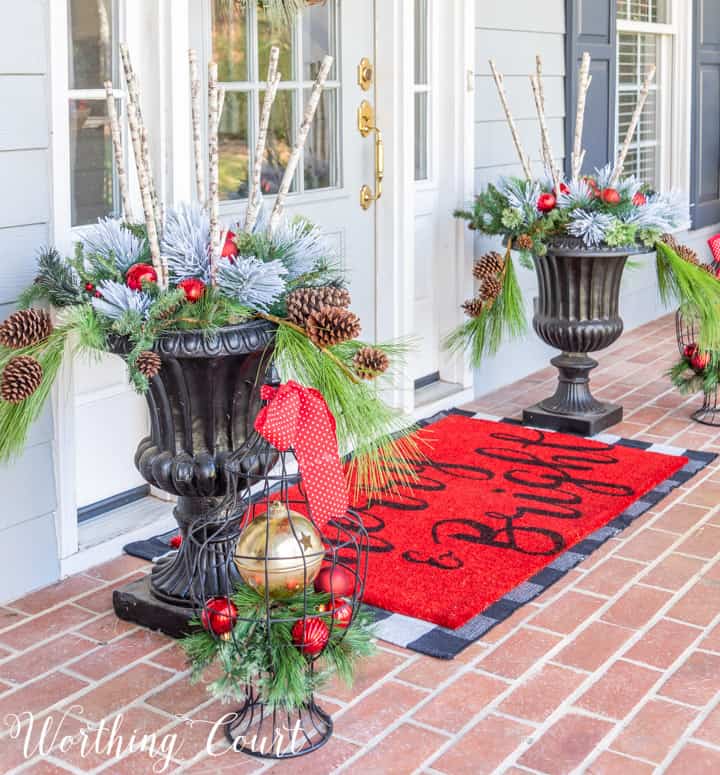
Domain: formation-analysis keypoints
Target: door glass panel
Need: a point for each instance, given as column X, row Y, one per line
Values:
column 318, row 33
column 279, row 142
column 91, row 161
column 233, row 146
column 91, row 41
column 230, row 43
column 280, row 35
column 242, row 39
column 421, row 40
column 421, row 136
column 320, row 157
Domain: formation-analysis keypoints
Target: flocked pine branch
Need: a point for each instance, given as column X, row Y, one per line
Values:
column 254, row 283
column 301, row 246
column 591, row 227
column 111, row 240
column 186, row 241
column 117, row 299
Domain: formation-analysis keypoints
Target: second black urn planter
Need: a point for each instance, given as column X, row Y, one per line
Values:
column 203, row 406
column 577, row 312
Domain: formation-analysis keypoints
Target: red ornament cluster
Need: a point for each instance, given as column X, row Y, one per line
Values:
column 639, row 199
column 219, row 615
column 546, row 203
column 230, row 249
column 699, row 360
column 611, row 196
column 194, row 289
column 139, row 274
column 337, row 581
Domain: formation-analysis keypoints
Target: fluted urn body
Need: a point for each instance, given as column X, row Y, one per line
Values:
column 203, row 406
column 577, row 312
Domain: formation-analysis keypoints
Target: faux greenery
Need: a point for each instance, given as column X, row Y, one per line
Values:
column 266, row 658
column 106, row 306
column 505, row 318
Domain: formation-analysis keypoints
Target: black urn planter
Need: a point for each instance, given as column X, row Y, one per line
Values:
column 577, row 312
column 203, row 406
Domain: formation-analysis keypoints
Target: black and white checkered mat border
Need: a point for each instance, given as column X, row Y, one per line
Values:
column 427, row 638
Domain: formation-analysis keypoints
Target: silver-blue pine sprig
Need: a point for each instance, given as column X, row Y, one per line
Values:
column 301, row 246
column 254, row 283
column 117, row 299
column 590, row 227
column 665, row 212
column 579, row 195
column 186, row 242
column 111, row 240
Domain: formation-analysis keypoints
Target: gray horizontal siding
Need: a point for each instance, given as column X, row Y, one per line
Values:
column 28, row 544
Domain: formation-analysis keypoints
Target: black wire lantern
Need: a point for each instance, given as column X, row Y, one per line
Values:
column 280, row 551
column 686, row 328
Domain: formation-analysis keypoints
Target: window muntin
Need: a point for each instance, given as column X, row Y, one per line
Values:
column 650, row 11
column 92, row 59
column 241, row 43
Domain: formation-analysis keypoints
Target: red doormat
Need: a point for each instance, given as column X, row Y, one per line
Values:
column 495, row 504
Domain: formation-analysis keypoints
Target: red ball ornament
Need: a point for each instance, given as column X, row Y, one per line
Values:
column 230, row 249
column 138, row 274
column 342, row 613
column 546, row 203
column 611, row 196
column 564, row 188
column 337, row 581
column 176, row 541
column 690, row 350
column 89, row 287
column 219, row 615
column 98, row 295
column 193, row 288
column 700, row 361
column 310, row 635
column 639, row 199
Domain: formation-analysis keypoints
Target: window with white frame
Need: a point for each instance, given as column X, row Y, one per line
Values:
column 423, row 90
column 241, row 43
column 645, row 38
column 92, row 60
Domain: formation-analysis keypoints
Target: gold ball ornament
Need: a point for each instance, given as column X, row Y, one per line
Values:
column 282, row 549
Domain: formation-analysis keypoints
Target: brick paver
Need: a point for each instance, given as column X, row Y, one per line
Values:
column 614, row 671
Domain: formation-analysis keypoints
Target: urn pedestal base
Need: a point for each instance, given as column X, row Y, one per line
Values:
column 572, row 408
column 136, row 603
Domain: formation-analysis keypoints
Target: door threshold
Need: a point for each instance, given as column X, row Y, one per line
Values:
column 440, row 396
column 103, row 538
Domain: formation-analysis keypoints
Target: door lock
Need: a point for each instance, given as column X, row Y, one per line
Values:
column 366, row 73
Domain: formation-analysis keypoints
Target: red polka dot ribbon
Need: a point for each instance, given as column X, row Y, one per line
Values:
column 298, row 417
column 714, row 243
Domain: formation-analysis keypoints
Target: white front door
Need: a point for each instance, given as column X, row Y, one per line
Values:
column 109, row 418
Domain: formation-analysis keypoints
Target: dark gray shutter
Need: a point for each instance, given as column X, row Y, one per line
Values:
column 705, row 184
column 592, row 27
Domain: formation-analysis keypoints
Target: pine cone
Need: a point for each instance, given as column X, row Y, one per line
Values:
column 524, row 242
column 24, row 328
column 473, row 307
column 148, row 363
column 20, row 379
column 688, row 254
column 370, row 362
column 490, row 265
column 332, row 325
column 304, row 301
column 671, row 242
column 491, row 289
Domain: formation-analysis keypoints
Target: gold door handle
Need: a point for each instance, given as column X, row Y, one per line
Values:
column 366, row 125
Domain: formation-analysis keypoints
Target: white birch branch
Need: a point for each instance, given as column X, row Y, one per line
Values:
column 545, row 134
column 196, row 102
column 213, row 170
column 273, row 81
column 642, row 99
column 310, row 110
column 539, row 71
column 152, row 235
column 118, row 152
column 524, row 160
column 584, row 81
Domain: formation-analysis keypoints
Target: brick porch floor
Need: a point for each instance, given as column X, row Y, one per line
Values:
column 616, row 669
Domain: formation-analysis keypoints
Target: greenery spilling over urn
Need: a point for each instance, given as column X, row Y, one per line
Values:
column 604, row 210
column 178, row 268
